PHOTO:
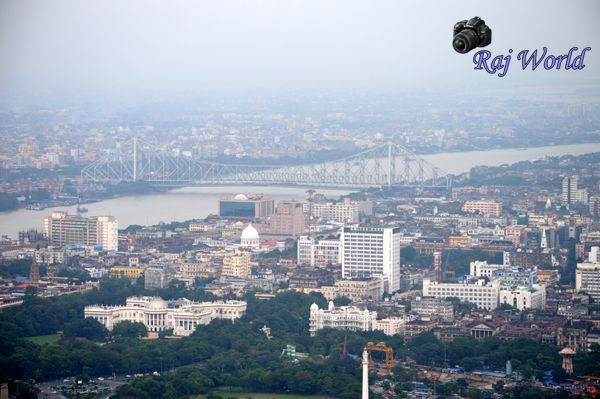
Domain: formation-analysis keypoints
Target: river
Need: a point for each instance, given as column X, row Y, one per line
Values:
column 197, row 202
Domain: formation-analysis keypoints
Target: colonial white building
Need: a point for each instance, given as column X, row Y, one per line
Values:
column 250, row 237
column 183, row 316
column 342, row 318
column 372, row 252
column 484, row 296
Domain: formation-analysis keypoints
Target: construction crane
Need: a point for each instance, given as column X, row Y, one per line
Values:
column 381, row 347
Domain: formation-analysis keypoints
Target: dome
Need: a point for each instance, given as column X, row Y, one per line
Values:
column 314, row 307
column 241, row 197
column 250, row 233
column 157, row 303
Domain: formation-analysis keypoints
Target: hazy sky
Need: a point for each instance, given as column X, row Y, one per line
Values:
column 129, row 47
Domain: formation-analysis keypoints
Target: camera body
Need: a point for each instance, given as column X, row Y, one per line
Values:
column 469, row 34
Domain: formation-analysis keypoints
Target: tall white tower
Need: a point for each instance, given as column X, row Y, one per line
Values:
column 365, row 369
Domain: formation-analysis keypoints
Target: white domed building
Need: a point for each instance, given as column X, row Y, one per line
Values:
column 157, row 315
column 250, row 237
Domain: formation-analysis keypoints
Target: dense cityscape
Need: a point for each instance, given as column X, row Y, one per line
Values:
column 297, row 200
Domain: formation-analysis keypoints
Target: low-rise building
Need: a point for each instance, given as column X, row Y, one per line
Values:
column 182, row 316
column 483, row 295
column 436, row 308
column 348, row 318
column 355, row 290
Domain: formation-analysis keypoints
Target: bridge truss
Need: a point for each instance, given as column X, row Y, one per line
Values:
column 385, row 165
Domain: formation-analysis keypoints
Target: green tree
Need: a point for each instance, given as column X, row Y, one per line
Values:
column 129, row 329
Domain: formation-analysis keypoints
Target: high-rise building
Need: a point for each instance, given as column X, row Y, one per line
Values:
column 587, row 275
column 594, row 205
column 437, row 266
column 288, row 219
column 237, row 264
column 61, row 229
column 571, row 193
column 318, row 253
column 569, row 189
column 246, row 206
column 346, row 211
column 372, row 252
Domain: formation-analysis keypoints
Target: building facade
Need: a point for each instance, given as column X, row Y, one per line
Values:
column 288, row 219
column 156, row 314
column 318, row 253
column 587, row 279
column 484, row 207
column 372, row 252
column 237, row 264
column 246, row 206
column 355, row 290
column 484, row 296
column 62, row 229
column 348, row 318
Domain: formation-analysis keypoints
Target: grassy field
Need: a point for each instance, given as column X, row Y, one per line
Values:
column 44, row 339
column 233, row 393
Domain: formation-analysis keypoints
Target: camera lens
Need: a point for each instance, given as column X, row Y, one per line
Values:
column 465, row 41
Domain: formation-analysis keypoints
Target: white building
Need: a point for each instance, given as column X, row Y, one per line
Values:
column 341, row 318
column 61, row 229
column 392, row 325
column 484, row 207
column 183, row 316
column 571, row 193
column 484, row 296
column 587, row 278
column 341, row 212
column 355, row 290
column 371, row 252
column 250, row 237
column 483, row 269
column 522, row 298
column 318, row 253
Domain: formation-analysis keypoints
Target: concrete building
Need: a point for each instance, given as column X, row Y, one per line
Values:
column 571, row 192
column 484, row 296
column 342, row 212
column 318, row 253
column 483, row 269
column 372, row 252
column 246, row 206
column 483, row 207
column 587, row 279
column 61, row 229
column 288, row 219
column 158, row 277
column 126, row 272
column 183, row 316
column 355, row 290
column 527, row 297
column 341, row 318
column 237, row 264
column 436, row 308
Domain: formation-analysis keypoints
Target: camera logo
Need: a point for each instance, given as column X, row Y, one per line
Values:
column 471, row 34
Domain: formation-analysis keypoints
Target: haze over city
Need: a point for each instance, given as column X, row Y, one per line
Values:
column 299, row 199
